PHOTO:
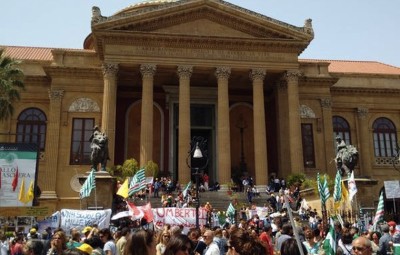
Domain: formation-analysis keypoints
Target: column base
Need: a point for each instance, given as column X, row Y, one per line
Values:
column 48, row 195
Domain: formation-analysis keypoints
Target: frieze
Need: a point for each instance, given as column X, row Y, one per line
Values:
column 306, row 112
column 84, row 105
column 223, row 72
column 56, row 94
column 217, row 54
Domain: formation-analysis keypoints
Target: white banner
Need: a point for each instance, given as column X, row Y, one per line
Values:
column 82, row 218
column 178, row 216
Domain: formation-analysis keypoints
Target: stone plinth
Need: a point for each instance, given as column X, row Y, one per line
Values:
column 103, row 193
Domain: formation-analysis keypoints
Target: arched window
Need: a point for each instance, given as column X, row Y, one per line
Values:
column 385, row 138
column 31, row 127
column 341, row 128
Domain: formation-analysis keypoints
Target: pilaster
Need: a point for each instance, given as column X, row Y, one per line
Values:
column 295, row 142
column 364, row 152
column 109, row 105
column 146, row 131
column 223, row 128
column 52, row 145
column 184, row 73
column 260, row 139
column 326, row 106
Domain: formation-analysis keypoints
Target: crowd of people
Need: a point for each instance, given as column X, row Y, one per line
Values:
column 246, row 237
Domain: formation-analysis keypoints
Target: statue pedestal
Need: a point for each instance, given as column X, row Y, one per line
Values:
column 102, row 196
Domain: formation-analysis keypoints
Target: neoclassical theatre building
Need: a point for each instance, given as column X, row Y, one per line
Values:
column 157, row 73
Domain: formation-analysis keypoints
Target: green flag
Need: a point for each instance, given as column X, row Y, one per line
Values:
column 329, row 244
column 88, row 185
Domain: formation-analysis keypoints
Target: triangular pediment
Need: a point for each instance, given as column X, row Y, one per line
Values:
column 211, row 18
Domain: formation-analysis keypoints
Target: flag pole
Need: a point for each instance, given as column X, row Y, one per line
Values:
column 295, row 232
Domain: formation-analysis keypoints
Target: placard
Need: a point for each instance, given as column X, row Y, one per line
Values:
column 392, row 189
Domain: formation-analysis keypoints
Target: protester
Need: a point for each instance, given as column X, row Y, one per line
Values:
column 109, row 245
column 361, row 246
column 178, row 245
column 140, row 242
column 58, row 243
column 290, row 247
column 241, row 243
column 122, row 240
column 163, row 240
column 86, row 249
column 33, row 247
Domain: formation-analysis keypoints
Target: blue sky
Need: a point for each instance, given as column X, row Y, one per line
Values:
column 360, row 30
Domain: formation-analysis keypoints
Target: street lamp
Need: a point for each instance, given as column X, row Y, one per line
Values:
column 198, row 162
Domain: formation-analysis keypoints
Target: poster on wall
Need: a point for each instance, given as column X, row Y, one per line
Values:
column 18, row 172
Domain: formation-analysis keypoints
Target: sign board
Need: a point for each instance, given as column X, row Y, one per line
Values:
column 18, row 172
column 81, row 218
column 178, row 216
column 392, row 189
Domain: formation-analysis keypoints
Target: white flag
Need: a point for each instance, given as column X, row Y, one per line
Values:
column 351, row 183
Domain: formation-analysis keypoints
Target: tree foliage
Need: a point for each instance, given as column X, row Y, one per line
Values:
column 11, row 83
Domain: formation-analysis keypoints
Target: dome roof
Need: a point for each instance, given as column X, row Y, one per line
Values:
column 144, row 4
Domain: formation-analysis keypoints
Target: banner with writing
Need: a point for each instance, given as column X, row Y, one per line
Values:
column 53, row 222
column 82, row 218
column 178, row 216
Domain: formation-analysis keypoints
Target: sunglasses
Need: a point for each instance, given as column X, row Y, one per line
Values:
column 355, row 248
column 166, row 236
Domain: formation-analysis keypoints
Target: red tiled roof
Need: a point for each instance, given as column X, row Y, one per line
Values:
column 32, row 53
column 360, row 67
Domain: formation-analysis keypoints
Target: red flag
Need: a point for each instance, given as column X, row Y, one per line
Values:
column 15, row 180
column 148, row 212
column 139, row 212
column 136, row 213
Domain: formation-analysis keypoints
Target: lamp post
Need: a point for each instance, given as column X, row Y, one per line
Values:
column 197, row 161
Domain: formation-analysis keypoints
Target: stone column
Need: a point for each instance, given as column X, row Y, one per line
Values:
column 184, row 73
column 223, row 128
column 52, row 145
column 260, row 139
column 146, row 130
column 109, row 105
column 295, row 142
column 364, row 141
column 326, row 105
column 283, row 127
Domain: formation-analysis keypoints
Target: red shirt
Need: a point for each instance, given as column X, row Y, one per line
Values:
column 266, row 239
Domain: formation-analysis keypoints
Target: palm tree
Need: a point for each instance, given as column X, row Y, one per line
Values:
column 11, row 83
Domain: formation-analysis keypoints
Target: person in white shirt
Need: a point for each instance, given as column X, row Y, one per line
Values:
column 212, row 247
column 4, row 244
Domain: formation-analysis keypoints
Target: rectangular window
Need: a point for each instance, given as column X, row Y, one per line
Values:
column 308, row 145
column 80, row 144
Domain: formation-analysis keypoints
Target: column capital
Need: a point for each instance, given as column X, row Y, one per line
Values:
column 326, row 102
column 56, row 94
column 258, row 74
column 185, row 71
column 362, row 112
column 148, row 70
column 110, row 69
column 223, row 72
column 292, row 75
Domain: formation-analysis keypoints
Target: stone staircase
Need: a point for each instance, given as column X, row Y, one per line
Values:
column 218, row 199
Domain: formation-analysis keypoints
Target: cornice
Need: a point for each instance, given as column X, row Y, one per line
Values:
column 37, row 79
column 218, row 6
column 90, row 73
column 316, row 81
column 196, row 42
column 350, row 91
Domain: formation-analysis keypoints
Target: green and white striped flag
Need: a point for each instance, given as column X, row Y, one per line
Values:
column 230, row 212
column 329, row 244
column 186, row 189
column 323, row 189
column 380, row 211
column 137, row 183
column 337, row 193
column 88, row 185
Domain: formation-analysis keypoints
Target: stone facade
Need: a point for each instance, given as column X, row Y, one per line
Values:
column 143, row 68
